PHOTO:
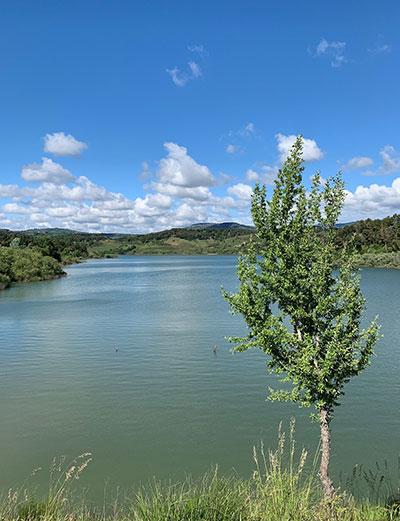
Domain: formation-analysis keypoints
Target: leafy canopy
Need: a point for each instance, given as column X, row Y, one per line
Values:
column 298, row 311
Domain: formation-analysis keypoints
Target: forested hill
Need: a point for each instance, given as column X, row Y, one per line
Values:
column 40, row 254
column 376, row 235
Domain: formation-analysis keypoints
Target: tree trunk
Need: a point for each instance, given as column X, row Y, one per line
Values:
column 323, row 475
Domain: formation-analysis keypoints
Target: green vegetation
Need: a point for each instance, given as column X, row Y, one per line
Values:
column 297, row 311
column 372, row 236
column 26, row 265
column 282, row 488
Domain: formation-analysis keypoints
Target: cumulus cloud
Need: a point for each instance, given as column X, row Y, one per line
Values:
column 179, row 169
column 356, row 163
column 61, row 144
column 152, row 205
column 179, row 194
column 16, row 209
column 375, row 201
column 195, row 193
column 48, row 171
column 311, row 151
column 241, row 191
column 334, row 50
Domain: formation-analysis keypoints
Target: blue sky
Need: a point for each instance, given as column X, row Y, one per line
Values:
column 138, row 116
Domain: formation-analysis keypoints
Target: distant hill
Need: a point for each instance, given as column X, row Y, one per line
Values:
column 227, row 225
column 50, row 231
column 341, row 225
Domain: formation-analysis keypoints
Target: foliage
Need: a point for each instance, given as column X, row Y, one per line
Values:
column 26, row 265
column 297, row 311
column 372, row 236
column 290, row 267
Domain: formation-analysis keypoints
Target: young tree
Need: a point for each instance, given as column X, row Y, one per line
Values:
column 297, row 309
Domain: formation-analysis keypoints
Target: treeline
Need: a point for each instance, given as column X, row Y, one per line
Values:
column 372, row 235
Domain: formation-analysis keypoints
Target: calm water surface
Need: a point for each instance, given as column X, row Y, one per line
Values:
column 163, row 405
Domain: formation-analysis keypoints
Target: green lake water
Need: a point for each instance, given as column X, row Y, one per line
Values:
column 163, row 404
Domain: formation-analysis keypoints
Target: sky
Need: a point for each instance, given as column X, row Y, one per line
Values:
column 135, row 116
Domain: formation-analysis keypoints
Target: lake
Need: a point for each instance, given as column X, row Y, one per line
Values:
column 117, row 359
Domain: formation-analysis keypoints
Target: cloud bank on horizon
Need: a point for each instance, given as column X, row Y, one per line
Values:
column 180, row 192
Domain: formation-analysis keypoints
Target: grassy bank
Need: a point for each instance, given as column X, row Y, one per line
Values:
column 283, row 487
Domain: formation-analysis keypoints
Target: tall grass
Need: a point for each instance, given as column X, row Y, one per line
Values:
column 282, row 488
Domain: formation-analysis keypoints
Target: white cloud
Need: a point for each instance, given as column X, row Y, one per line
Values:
column 233, row 149
column 252, row 176
column 356, row 163
column 390, row 160
column 241, row 191
column 248, row 130
column 334, row 50
column 311, row 151
column 15, row 192
column 196, row 193
column 177, row 77
column 16, row 209
column 181, row 78
column 179, row 169
column 266, row 175
column 153, row 205
column 375, row 201
column 62, row 211
column 61, row 144
column 84, row 190
column 195, row 69
column 48, row 171
column 186, row 214
column 146, row 173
